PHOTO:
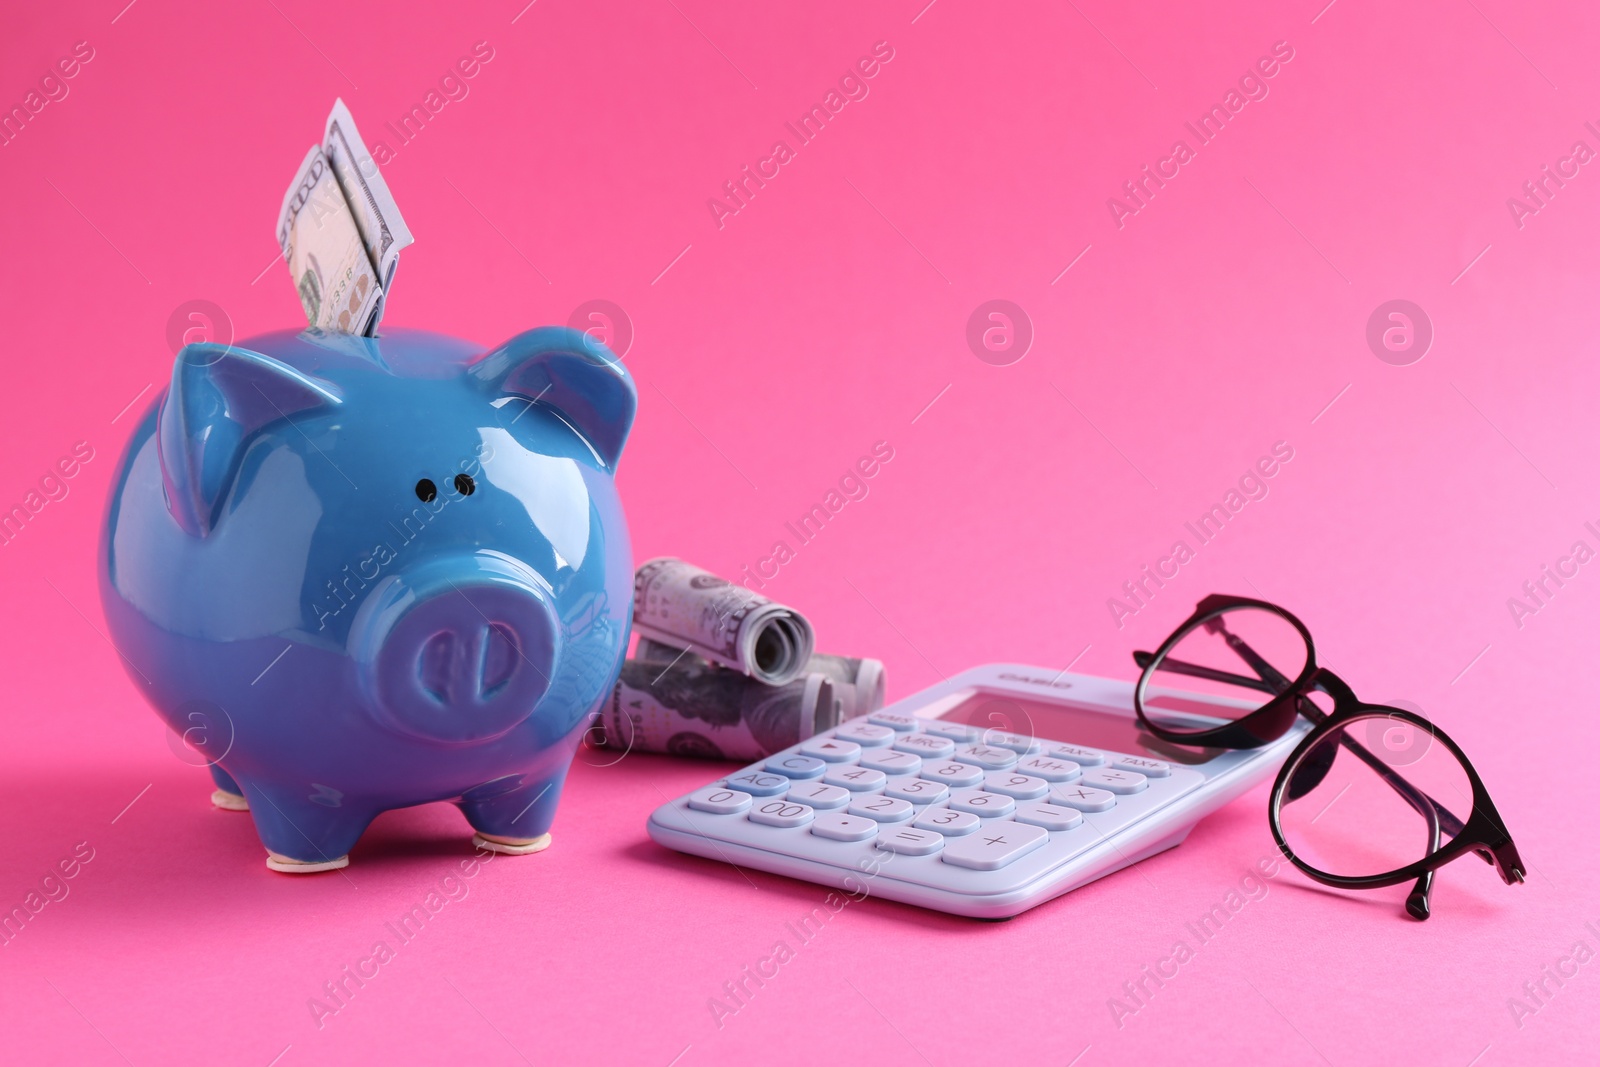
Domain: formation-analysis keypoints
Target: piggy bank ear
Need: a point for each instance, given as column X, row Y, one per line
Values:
column 573, row 373
column 220, row 397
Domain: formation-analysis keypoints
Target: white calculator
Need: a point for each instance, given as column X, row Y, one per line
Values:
column 997, row 790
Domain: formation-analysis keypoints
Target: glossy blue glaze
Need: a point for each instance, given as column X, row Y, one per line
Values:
column 333, row 644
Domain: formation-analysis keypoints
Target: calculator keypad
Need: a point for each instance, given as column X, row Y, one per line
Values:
column 948, row 799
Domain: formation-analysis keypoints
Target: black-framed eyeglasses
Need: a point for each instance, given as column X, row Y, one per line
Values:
column 1373, row 796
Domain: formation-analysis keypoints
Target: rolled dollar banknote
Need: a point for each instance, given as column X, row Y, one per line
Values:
column 693, row 708
column 858, row 683
column 679, row 604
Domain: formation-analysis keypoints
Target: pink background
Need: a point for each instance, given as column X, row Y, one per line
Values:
column 826, row 315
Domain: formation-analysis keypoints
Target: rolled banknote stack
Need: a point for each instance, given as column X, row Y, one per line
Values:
column 341, row 232
column 723, row 673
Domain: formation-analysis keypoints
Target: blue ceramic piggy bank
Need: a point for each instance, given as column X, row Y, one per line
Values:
column 358, row 574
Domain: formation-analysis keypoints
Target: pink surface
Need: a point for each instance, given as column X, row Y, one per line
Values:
column 1229, row 313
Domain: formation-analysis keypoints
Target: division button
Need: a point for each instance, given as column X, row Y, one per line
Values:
column 1117, row 781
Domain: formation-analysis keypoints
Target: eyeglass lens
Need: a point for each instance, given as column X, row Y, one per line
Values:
column 1373, row 796
column 1240, row 658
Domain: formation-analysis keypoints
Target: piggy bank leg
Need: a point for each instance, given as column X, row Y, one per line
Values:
column 305, row 834
column 227, row 796
column 515, row 823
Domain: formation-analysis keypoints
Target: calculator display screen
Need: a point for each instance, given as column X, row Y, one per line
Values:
column 1073, row 724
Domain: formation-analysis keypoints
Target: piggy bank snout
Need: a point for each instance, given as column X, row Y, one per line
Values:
column 457, row 653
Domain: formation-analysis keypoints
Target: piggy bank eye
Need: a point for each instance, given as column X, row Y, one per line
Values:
column 465, row 485
column 426, row 491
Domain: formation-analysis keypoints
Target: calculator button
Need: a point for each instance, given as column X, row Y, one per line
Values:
column 865, row 734
column 1150, row 768
column 982, row 803
column 759, row 783
column 837, row 826
column 856, row 779
column 1116, row 781
column 953, row 774
column 1049, row 816
column 1016, row 786
column 1083, row 798
column 1049, row 768
column 719, row 801
column 891, row 762
column 928, row 746
column 989, row 757
column 947, row 822
column 916, row 790
column 894, row 720
column 792, row 766
column 831, row 749
column 1083, row 757
column 880, row 808
column 911, row 841
column 781, row 813
column 1021, row 745
column 995, row 845
column 819, row 796
column 955, row 731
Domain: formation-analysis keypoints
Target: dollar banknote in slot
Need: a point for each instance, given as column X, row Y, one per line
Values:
column 341, row 232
